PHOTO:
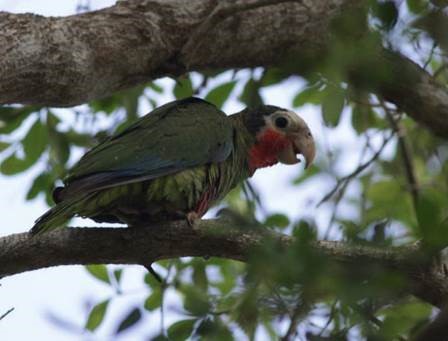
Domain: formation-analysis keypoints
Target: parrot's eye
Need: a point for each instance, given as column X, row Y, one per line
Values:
column 281, row 122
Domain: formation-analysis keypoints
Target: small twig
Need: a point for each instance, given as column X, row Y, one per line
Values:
column 153, row 273
column 342, row 190
column 299, row 310
column 431, row 54
column 357, row 171
column 330, row 318
column 162, row 305
column 7, row 313
column 277, row 295
column 406, row 154
column 250, row 193
column 335, row 210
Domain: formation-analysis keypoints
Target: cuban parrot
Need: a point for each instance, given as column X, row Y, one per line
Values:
column 176, row 162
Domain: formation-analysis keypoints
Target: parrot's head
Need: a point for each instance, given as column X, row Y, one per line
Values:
column 280, row 135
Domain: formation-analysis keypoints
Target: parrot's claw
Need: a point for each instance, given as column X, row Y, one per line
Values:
column 193, row 219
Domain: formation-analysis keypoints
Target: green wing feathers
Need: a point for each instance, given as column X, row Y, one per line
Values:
column 56, row 217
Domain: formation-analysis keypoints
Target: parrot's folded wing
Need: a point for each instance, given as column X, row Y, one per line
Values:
column 176, row 136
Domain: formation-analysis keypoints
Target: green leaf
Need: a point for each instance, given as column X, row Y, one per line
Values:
column 52, row 120
column 35, row 142
column 78, row 139
column 251, row 94
column 40, row 184
column 431, row 206
column 417, row 6
column 213, row 329
column 387, row 13
column 117, row 274
column 160, row 337
column 199, row 275
column 181, row 330
column 60, row 148
column 99, row 271
column 309, row 173
column 154, row 300
column 274, row 76
column 277, row 220
column 13, row 165
column 130, row 101
column 229, row 275
column 389, row 201
column 96, row 315
column 246, row 315
column 195, row 301
column 219, row 95
column 332, row 105
column 363, row 118
column 12, row 118
column 157, row 88
column 310, row 95
column 183, row 88
column 428, row 210
column 402, row 318
column 107, row 104
column 130, row 319
column 3, row 146
column 151, row 281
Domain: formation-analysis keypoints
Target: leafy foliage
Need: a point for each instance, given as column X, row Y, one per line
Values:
column 385, row 186
column 96, row 315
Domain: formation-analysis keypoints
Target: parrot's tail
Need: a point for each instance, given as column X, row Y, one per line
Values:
column 55, row 218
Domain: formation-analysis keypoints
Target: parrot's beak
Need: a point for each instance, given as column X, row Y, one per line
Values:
column 302, row 143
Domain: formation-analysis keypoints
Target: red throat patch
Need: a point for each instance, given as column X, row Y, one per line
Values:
column 264, row 152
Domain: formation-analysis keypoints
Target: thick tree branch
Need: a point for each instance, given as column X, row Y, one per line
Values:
column 404, row 83
column 65, row 61
column 213, row 238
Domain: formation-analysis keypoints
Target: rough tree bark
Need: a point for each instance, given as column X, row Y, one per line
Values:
column 66, row 61
column 212, row 238
column 71, row 60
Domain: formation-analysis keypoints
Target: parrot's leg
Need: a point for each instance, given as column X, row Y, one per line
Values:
column 193, row 219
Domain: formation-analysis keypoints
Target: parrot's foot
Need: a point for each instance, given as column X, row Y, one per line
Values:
column 193, row 220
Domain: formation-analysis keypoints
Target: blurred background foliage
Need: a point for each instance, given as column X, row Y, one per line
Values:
column 387, row 189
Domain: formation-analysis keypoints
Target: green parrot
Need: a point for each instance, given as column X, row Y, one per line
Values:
column 176, row 162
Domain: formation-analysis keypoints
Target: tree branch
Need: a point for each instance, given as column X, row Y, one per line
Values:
column 343, row 182
column 65, row 61
column 406, row 154
column 413, row 90
column 212, row 238
column 10, row 310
